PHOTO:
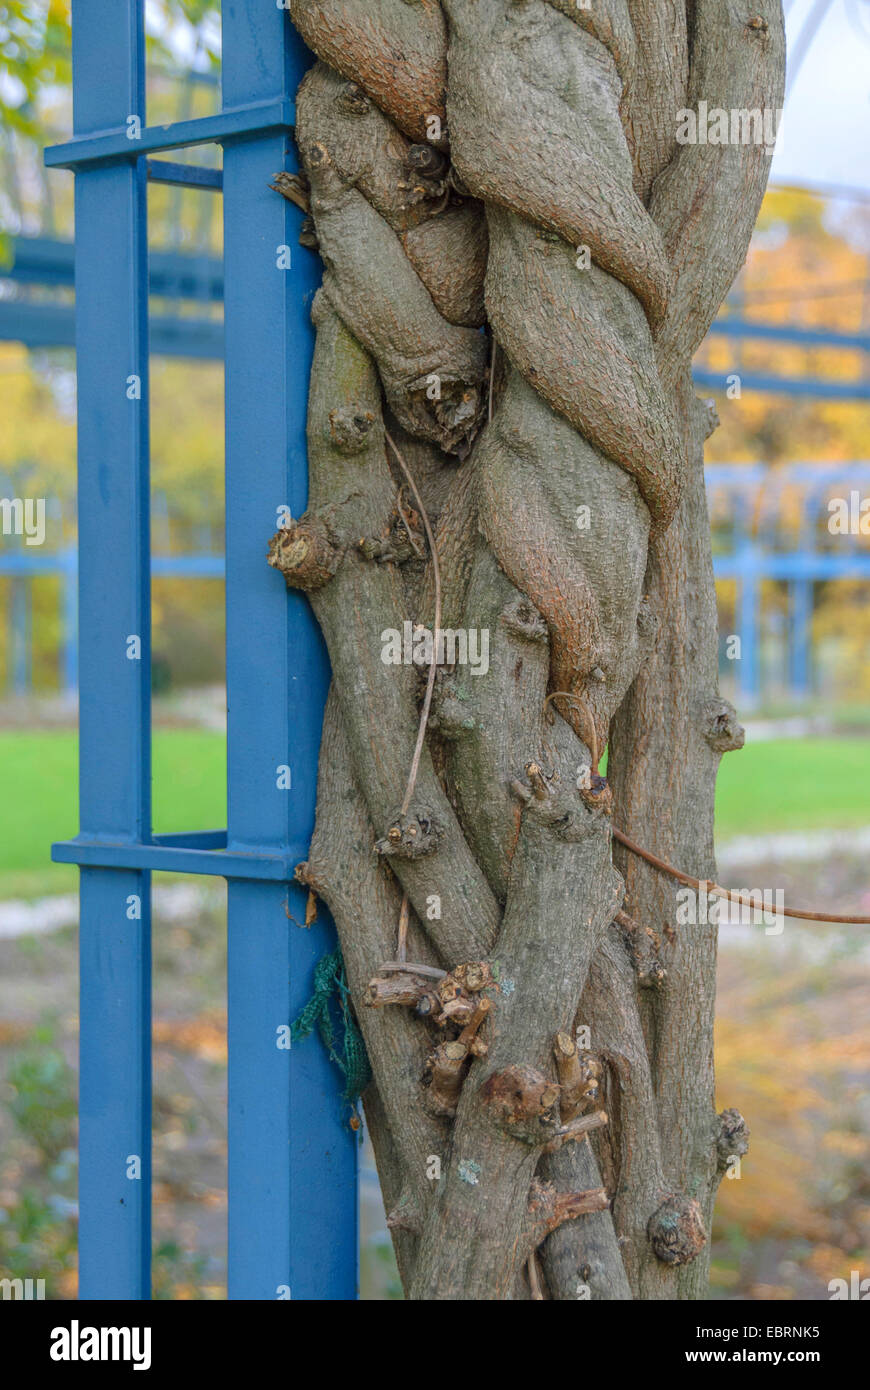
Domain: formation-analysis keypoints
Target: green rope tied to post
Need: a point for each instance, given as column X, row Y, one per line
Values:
column 342, row 1038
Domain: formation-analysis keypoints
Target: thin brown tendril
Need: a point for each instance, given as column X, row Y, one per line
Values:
column 436, row 571
column 491, row 377
column 731, row 893
column 412, row 539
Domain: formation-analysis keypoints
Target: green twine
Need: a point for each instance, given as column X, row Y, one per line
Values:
column 342, row 1038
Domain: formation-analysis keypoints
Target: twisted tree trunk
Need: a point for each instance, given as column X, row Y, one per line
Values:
column 519, row 263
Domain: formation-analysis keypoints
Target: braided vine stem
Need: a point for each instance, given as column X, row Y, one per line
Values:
column 519, row 261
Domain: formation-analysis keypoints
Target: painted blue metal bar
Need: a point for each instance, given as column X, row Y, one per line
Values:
column 747, row 626
column 738, row 327
column 800, row 634
column 39, row 261
column 185, row 175
column 115, row 143
column 765, row 564
column 64, row 562
column 52, row 325
column 785, row 385
column 292, row 1157
column 70, row 602
column 22, row 626
column 800, row 470
column 276, row 867
column 47, row 262
column 29, row 563
column 193, row 839
column 191, row 566
column 114, row 773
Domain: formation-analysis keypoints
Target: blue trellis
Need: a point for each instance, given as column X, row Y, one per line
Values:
column 292, row 1161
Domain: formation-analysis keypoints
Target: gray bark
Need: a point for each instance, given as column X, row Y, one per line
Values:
column 461, row 159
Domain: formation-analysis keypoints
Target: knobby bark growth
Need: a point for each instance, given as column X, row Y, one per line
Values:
column 519, row 263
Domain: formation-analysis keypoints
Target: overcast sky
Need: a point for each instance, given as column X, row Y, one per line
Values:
column 825, row 135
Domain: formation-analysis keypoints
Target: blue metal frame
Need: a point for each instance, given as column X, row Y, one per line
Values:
column 89, row 150
column 27, row 564
column 734, row 326
column 753, row 557
column 292, row 1156
column 53, row 325
column 775, row 385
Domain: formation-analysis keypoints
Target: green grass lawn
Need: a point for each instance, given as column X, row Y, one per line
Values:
column 39, row 802
column 793, row 784
column 789, row 784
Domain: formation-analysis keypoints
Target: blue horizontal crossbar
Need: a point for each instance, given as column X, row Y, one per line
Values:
column 799, row 472
column 229, row 124
column 201, row 852
column 181, row 275
column 195, row 566
column 36, row 561
column 52, row 325
column 733, row 327
column 784, row 385
column 193, row 839
column 187, row 175
column 790, row 565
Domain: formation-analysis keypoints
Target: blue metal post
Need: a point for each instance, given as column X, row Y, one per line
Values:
column 746, row 607
column 292, row 1157
column 22, row 635
column 70, row 603
column 747, row 627
column 112, row 365
column 800, row 615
